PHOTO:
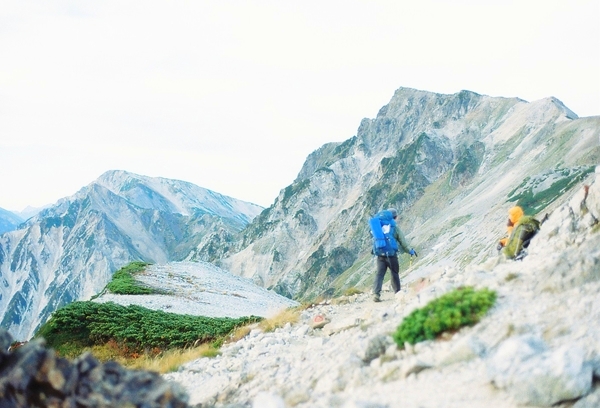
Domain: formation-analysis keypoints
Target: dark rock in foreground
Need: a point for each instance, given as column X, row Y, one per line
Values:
column 33, row 376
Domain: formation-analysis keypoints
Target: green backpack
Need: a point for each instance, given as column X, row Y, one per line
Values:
column 520, row 237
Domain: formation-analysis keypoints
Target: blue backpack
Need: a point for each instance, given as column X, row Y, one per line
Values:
column 382, row 228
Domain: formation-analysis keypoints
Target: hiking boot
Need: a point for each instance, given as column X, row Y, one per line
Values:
column 376, row 298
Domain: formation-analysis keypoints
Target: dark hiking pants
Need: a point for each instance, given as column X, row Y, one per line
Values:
column 384, row 262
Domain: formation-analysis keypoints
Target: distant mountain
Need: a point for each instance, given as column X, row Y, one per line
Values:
column 9, row 221
column 451, row 164
column 69, row 251
column 29, row 211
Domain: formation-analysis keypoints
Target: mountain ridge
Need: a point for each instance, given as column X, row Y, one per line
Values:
column 421, row 147
column 68, row 252
column 9, row 221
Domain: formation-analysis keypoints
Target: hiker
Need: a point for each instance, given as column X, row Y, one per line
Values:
column 388, row 241
column 514, row 215
column 521, row 229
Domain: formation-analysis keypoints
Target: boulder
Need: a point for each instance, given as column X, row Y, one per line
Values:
column 535, row 375
column 33, row 376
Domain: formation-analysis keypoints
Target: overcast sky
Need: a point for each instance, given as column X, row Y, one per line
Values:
column 233, row 95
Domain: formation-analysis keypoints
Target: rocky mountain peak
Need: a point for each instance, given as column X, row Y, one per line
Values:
column 445, row 161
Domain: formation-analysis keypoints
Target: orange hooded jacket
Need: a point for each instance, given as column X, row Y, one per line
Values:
column 514, row 215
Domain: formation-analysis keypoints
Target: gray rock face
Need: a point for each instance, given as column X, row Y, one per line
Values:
column 34, row 377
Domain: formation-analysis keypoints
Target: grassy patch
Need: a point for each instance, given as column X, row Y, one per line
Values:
column 536, row 193
column 123, row 282
column 352, row 291
column 461, row 307
column 354, row 276
column 134, row 329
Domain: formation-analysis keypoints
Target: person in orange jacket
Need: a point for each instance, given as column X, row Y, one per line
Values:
column 514, row 215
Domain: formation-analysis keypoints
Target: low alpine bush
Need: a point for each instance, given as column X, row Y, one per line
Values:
column 461, row 307
column 123, row 282
column 80, row 325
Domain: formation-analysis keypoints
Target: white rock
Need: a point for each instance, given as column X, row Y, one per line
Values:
column 268, row 400
column 339, row 325
column 534, row 375
column 302, row 330
column 591, row 400
column 464, row 349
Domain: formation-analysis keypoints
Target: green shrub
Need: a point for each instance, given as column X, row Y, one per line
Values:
column 123, row 282
column 461, row 307
column 84, row 324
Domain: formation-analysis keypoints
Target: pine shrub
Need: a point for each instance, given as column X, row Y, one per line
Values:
column 461, row 307
column 123, row 282
column 85, row 324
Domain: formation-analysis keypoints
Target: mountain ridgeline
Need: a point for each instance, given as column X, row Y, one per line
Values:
column 69, row 251
column 9, row 221
column 451, row 164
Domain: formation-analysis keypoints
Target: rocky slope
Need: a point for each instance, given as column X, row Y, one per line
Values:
column 538, row 346
column 69, row 251
column 201, row 289
column 452, row 165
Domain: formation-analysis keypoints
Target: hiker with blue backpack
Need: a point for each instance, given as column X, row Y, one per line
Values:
column 388, row 240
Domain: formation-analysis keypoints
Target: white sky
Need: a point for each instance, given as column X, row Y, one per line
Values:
column 233, row 95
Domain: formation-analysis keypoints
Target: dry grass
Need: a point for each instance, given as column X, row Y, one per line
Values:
column 171, row 360
column 352, row 291
column 290, row 315
column 240, row 333
column 158, row 361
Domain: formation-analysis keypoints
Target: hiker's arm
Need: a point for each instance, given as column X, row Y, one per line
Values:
column 401, row 240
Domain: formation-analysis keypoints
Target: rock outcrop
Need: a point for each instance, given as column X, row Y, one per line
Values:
column 32, row 376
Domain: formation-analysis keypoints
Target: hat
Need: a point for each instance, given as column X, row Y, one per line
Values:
column 393, row 211
column 515, row 214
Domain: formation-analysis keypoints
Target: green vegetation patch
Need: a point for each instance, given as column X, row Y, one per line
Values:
column 461, row 307
column 79, row 325
column 537, row 192
column 123, row 282
column 468, row 162
column 458, row 221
